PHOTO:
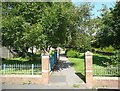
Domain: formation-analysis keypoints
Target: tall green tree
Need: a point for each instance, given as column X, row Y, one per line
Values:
column 20, row 29
column 115, row 24
column 80, row 27
column 46, row 24
column 109, row 29
column 32, row 24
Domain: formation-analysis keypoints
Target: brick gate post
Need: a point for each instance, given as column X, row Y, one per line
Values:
column 45, row 68
column 88, row 69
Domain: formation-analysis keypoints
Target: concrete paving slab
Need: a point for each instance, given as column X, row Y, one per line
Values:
column 65, row 75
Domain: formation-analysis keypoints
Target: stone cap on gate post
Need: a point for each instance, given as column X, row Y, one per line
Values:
column 44, row 53
column 88, row 53
column 88, row 60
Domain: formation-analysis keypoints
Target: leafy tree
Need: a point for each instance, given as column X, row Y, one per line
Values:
column 31, row 24
column 115, row 24
column 46, row 24
column 21, row 25
column 109, row 33
column 80, row 27
column 56, row 23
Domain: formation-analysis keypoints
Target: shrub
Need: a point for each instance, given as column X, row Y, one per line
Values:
column 72, row 54
column 115, row 59
column 108, row 49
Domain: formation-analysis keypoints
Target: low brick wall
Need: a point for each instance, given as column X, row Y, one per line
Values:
column 31, row 79
column 18, row 79
column 102, row 82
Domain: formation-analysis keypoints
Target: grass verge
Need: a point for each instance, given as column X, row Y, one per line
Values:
column 100, row 63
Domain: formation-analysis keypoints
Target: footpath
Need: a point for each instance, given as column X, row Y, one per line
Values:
column 64, row 75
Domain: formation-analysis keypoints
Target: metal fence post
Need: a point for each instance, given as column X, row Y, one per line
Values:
column 4, row 66
column 32, row 69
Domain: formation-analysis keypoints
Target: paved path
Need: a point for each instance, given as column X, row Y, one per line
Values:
column 64, row 75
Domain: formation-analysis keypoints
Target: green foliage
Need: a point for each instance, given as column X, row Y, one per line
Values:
column 115, row 25
column 72, row 53
column 79, row 34
column 109, row 27
column 43, row 24
column 101, row 60
column 115, row 59
column 83, row 42
column 100, row 65
column 31, row 24
column 51, row 52
column 109, row 49
column 12, row 31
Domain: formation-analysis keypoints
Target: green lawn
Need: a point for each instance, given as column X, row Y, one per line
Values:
column 101, row 60
column 78, row 64
column 99, row 65
column 35, row 59
column 20, row 65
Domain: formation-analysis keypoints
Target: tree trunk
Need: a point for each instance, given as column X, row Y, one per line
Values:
column 10, row 50
column 32, row 51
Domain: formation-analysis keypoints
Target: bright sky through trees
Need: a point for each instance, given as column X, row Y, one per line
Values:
column 97, row 5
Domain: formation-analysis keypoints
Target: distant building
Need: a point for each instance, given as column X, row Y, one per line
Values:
column 5, row 53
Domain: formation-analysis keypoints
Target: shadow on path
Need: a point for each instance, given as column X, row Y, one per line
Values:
column 66, row 70
column 69, row 64
column 80, row 76
column 62, row 65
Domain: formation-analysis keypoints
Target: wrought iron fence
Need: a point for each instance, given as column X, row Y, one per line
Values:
column 109, row 71
column 19, row 69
